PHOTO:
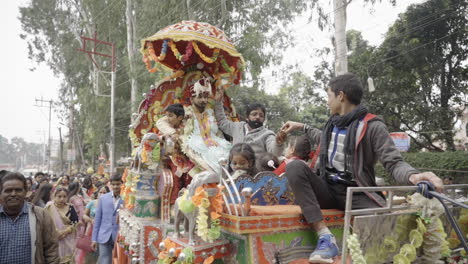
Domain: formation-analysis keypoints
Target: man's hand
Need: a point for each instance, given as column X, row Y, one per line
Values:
column 219, row 95
column 281, row 137
column 94, row 246
column 291, row 126
column 427, row 176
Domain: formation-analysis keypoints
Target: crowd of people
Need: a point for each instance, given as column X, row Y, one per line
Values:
column 320, row 164
column 57, row 220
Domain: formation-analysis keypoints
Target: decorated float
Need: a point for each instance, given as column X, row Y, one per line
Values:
column 183, row 206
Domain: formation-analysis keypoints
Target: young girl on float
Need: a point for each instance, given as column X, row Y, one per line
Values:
column 299, row 148
column 65, row 220
column 241, row 160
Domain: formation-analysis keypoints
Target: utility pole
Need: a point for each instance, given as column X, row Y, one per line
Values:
column 341, row 49
column 61, row 149
column 71, row 148
column 91, row 53
column 42, row 101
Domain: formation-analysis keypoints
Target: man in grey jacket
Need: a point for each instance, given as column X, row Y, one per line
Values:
column 251, row 131
column 351, row 143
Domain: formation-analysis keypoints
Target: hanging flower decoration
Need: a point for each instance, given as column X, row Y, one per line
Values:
column 186, row 205
column 188, row 52
column 205, row 58
column 226, row 66
column 175, row 51
column 152, row 56
column 175, row 75
column 205, row 205
column 355, row 249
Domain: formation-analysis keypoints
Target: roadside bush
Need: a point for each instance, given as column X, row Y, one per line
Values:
column 443, row 164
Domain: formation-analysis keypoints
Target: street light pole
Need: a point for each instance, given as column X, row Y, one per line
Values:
column 50, row 140
column 49, row 144
column 112, row 121
column 94, row 52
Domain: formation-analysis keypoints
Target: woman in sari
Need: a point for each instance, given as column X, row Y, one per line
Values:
column 65, row 220
column 75, row 197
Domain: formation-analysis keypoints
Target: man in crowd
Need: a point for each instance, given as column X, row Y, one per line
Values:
column 27, row 232
column 37, row 180
column 105, row 222
column 351, row 143
column 251, row 131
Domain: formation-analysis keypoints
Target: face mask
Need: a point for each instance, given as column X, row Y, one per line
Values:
column 254, row 124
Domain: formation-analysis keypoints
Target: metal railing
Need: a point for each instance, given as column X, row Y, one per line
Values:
column 389, row 207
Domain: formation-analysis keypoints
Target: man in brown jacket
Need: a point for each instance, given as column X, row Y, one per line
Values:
column 350, row 144
column 28, row 234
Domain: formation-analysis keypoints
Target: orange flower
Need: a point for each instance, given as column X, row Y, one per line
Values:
column 209, row 260
column 198, row 196
column 217, row 203
column 169, row 244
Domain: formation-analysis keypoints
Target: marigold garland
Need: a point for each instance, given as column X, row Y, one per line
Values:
column 152, row 56
column 175, row 51
column 175, row 75
column 203, row 56
column 226, row 66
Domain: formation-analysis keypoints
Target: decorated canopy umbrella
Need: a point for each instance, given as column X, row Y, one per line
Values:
column 197, row 44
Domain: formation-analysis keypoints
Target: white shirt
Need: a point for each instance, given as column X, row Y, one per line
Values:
column 116, row 200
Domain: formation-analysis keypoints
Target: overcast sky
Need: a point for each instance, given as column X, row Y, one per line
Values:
column 20, row 87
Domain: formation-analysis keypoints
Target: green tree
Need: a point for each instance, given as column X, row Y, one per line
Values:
column 420, row 71
column 7, row 154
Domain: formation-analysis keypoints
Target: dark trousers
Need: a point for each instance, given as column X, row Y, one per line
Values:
column 314, row 193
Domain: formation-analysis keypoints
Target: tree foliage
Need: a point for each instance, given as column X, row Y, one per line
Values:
column 420, row 72
column 444, row 164
column 18, row 152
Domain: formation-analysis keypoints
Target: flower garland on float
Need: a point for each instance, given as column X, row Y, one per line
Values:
column 428, row 234
column 208, row 200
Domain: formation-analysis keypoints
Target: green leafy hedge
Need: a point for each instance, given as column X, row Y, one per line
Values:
column 443, row 164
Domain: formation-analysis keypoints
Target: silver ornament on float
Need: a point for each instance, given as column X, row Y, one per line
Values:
column 171, row 252
column 162, row 246
column 181, row 257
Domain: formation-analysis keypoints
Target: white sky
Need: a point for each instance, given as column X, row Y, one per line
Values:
column 20, row 86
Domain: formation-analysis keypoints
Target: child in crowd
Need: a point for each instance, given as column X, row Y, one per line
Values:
column 65, row 220
column 298, row 149
column 241, row 160
column 267, row 161
column 171, row 126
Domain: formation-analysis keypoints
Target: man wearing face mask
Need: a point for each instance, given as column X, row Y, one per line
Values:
column 250, row 131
